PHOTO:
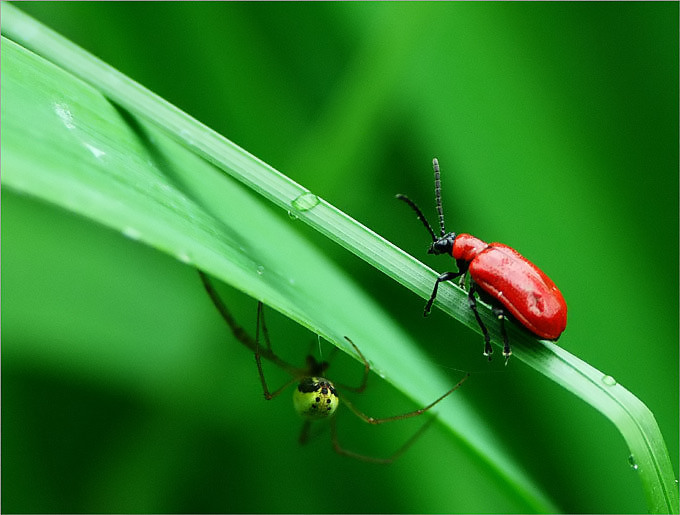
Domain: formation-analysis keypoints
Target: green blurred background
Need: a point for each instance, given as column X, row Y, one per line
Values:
column 556, row 126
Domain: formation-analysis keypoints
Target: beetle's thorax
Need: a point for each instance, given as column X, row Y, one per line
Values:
column 443, row 245
column 466, row 247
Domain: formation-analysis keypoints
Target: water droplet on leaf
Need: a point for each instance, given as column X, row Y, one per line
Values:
column 609, row 380
column 305, row 202
column 132, row 233
column 184, row 257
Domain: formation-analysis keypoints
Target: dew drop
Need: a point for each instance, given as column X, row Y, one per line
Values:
column 186, row 136
column 64, row 113
column 609, row 380
column 305, row 202
column 260, row 270
column 184, row 257
column 96, row 152
column 292, row 215
column 631, row 461
column 132, row 233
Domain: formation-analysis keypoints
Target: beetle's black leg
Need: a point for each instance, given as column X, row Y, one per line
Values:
column 447, row 276
column 472, row 302
column 499, row 312
column 463, row 267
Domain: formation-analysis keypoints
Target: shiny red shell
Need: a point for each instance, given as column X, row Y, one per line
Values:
column 514, row 281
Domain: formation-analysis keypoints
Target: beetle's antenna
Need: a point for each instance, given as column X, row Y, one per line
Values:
column 438, row 195
column 419, row 213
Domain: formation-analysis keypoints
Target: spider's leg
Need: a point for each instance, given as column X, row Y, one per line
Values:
column 240, row 333
column 371, row 459
column 260, row 319
column 372, row 420
column 415, row 413
column 367, row 369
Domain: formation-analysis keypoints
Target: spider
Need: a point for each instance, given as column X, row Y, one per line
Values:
column 315, row 398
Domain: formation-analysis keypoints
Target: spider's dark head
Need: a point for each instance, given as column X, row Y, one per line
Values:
column 316, row 367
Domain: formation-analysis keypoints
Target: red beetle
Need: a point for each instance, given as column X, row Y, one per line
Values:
column 501, row 276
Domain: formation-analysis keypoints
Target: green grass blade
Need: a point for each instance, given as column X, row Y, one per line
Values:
column 207, row 250
column 81, row 153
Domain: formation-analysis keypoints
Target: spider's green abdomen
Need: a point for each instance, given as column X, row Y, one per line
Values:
column 315, row 398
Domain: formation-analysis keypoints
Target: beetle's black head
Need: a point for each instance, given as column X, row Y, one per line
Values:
column 443, row 245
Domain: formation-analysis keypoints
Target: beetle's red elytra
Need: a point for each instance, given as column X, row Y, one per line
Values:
column 530, row 296
column 501, row 276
